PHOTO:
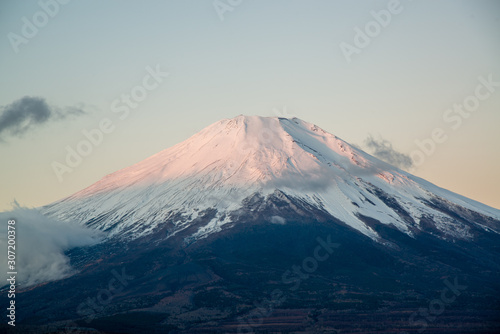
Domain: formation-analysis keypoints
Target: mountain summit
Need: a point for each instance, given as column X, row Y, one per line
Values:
column 232, row 160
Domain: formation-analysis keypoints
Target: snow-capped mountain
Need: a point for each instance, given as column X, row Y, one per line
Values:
column 278, row 218
column 224, row 165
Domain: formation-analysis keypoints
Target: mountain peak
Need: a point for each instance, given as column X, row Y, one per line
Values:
column 245, row 150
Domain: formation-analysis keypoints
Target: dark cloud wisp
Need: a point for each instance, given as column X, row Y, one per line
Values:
column 382, row 149
column 28, row 113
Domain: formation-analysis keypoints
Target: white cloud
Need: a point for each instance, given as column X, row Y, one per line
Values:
column 40, row 245
column 278, row 220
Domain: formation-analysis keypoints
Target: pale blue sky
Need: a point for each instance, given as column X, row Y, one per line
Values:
column 264, row 55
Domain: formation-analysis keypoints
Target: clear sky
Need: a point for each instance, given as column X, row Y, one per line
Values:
column 64, row 65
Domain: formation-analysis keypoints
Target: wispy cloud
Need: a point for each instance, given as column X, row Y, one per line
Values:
column 318, row 178
column 28, row 113
column 382, row 149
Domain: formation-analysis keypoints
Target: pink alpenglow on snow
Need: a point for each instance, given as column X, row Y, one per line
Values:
column 233, row 159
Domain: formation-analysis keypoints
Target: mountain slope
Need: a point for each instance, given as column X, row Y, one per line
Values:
column 233, row 159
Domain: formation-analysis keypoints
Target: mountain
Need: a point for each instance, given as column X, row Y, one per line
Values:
column 230, row 161
column 260, row 224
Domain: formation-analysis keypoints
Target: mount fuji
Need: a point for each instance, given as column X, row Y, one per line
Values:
column 234, row 159
column 223, row 232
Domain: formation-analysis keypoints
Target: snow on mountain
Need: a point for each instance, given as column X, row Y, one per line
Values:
column 233, row 159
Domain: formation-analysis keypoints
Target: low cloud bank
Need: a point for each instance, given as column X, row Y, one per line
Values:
column 40, row 245
column 278, row 220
